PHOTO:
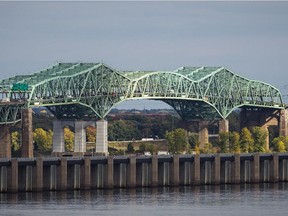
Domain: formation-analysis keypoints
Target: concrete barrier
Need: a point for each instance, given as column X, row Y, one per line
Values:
column 84, row 173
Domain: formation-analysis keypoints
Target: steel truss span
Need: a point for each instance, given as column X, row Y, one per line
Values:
column 91, row 90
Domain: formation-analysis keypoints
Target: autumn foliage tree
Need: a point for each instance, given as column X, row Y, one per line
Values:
column 43, row 139
column 68, row 139
column 177, row 140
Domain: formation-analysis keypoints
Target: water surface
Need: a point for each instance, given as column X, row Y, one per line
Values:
column 249, row 199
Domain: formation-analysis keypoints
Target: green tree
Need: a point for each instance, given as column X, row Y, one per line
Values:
column 91, row 134
column 68, row 139
column 130, row 148
column 152, row 149
column 43, row 139
column 142, row 147
column 15, row 143
column 246, row 141
column 193, row 140
column 234, row 142
column 280, row 144
column 207, row 149
column 123, row 130
column 177, row 140
column 224, row 142
column 260, row 136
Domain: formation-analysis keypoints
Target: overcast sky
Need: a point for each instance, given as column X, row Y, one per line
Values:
column 249, row 38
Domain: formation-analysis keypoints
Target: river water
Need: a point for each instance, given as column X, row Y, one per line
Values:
column 248, row 199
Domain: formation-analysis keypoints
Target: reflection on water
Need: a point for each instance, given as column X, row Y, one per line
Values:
column 248, row 199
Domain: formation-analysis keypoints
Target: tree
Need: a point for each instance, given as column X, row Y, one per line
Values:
column 91, row 134
column 142, row 147
column 15, row 143
column 193, row 140
column 224, row 142
column 280, row 144
column 177, row 140
column 43, row 139
column 208, row 148
column 234, row 142
column 246, row 141
column 130, row 148
column 152, row 149
column 68, row 139
column 123, row 130
column 260, row 136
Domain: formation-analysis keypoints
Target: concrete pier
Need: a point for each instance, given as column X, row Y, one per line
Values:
column 5, row 142
column 203, row 133
column 102, row 137
column 27, row 133
column 84, row 173
column 58, row 137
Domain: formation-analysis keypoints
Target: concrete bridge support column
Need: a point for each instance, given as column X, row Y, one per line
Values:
column 154, row 171
column 236, row 166
column 5, row 142
column 86, row 174
column 174, row 173
column 102, row 137
column 131, row 174
column 223, row 125
column 13, row 176
column 255, row 169
column 80, row 137
column 266, row 128
column 196, row 170
column 203, row 133
column 58, row 137
column 283, row 131
column 27, row 133
column 216, row 170
column 109, row 178
column 37, row 172
column 274, row 168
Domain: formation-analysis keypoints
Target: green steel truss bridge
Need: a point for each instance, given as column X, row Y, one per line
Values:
column 91, row 90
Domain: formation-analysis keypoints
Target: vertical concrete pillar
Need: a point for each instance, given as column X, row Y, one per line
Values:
column 196, row 170
column 131, row 181
column 37, row 181
column 102, row 137
column 283, row 131
column 3, row 178
column 274, row 168
column 58, row 137
column 86, row 174
column 5, row 142
column 223, row 125
column 174, row 174
column 154, row 171
column 13, row 175
column 27, row 133
column 216, row 170
column 203, row 133
column 266, row 128
column 80, row 137
column 236, row 169
column 255, row 168
column 109, row 173
column 62, row 174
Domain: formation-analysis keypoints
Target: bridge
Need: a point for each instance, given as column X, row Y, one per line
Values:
column 88, row 91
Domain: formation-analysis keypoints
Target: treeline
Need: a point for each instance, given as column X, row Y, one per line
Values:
column 249, row 140
column 158, row 124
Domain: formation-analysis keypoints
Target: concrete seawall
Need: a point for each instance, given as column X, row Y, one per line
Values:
column 82, row 173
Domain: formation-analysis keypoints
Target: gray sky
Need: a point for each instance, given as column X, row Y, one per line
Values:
column 249, row 38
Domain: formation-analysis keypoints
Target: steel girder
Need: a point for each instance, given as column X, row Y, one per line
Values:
column 90, row 90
